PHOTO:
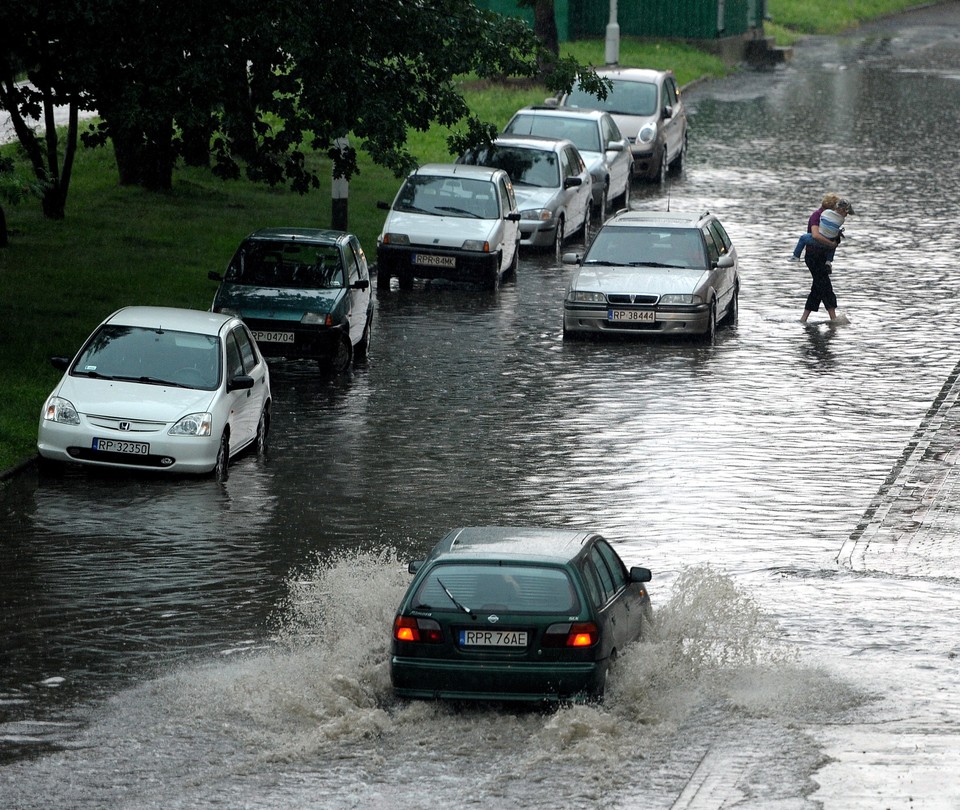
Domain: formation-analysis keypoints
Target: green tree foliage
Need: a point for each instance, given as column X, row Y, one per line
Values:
column 251, row 86
column 35, row 41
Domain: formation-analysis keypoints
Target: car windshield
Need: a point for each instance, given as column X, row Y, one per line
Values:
column 449, row 196
column 626, row 98
column 153, row 356
column 526, row 167
column 287, row 265
column 584, row 132
column 507, row 588
column 651, row 246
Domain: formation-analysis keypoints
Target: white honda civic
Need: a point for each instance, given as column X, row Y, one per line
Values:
column 159, row 388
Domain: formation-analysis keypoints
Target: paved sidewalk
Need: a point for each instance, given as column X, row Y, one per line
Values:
column 912, row 527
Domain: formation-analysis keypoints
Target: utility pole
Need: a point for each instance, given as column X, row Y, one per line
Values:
column 612, row 50
column 340, row 191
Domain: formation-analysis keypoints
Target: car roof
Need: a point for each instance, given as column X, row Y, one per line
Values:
column 464, row 170
column 532, row 142
column 560, row 112
column 178, row 320
column 316, row 236
column 690, row 219
column 647, row 75
column 516, row 543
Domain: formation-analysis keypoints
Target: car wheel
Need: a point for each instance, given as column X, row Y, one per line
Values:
column 383, row 278
column 676, row 165
column 222, row 464
column 602, row 212
column 360, row 350
column 711, row 331
column 623, row 201
column 263, row 432
column 733, row 313
column 493, row 279
column 515, row 262
column 558, row 237
column 339, row 361
column 406, row 280
column 661, row 177
column 601, row 688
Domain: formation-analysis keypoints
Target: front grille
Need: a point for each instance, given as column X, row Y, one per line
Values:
column 619, row 298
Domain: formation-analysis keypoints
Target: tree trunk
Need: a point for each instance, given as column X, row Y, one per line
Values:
column 545, row 25
column 4, row 237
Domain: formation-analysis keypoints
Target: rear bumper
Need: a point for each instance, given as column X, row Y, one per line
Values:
column 521, row 681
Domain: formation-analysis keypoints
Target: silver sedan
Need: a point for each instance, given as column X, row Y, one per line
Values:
column 649, row 273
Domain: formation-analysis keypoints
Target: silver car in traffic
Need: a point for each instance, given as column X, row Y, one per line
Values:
column 551, row 182
column 654, row 273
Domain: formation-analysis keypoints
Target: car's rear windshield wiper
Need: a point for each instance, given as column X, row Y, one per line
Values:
column 453, row 599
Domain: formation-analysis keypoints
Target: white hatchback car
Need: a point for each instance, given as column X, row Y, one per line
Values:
column 450, row 221
column 159, row 388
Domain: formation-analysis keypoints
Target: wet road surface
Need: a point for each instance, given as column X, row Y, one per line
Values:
column 186, row 644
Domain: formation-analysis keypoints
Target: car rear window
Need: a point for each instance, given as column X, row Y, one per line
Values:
column 527, row 167
column 449, row 196
column 506, row 588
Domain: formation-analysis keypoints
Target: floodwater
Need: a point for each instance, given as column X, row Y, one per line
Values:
column 185, row 644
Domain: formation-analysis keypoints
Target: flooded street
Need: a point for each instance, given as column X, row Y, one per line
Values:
column 184, row 644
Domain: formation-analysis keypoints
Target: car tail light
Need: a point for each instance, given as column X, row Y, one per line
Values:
column 408, row 628
column 580, row 634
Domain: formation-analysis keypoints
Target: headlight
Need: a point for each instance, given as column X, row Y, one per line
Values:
column 476, row 244
column 316, row 319
column 647, row 133
column 586, row 297
column 681, row 299
column 194, row 424
column 62, row 411
column 543, row 214
column 396, row 239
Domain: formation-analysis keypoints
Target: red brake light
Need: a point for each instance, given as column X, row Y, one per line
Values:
column 581, row 634
column 408, row 628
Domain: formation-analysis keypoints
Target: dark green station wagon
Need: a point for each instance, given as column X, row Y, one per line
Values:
column 518, row 614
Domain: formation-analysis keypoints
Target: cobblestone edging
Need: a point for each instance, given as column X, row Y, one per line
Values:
column 913, row 522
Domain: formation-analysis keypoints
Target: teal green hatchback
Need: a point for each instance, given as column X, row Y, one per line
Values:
column 518, row 614
column 303, row 292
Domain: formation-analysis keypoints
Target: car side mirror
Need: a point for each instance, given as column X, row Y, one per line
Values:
column 552, row 101
column 570, row 182
column 725, row 261
column 362, row 284
column 60, row 363
column 383, row 206
column 667, row 113
column 570, row 258
column 514, row 216
column 240, row 382
column 615, row 146
column 414, row 566
column 213, row 275
column 638, row 574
